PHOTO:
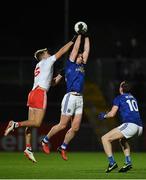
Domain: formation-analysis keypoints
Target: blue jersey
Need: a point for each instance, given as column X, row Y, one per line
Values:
column 128, row 108
column 74, row 76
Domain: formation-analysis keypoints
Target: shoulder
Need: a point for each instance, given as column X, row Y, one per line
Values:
column 50, row 59
column 117, row 99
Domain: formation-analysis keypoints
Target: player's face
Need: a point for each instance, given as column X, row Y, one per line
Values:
column 121, row 89
column 45, row 55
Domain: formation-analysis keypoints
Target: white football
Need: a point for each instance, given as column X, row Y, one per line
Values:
column 82, row 24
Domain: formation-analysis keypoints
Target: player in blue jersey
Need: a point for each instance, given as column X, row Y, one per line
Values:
column 131, row 125
column 72, row 103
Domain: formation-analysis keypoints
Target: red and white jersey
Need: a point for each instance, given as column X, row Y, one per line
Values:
column 43, row 73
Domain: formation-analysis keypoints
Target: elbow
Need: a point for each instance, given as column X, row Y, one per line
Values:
column 112, row 116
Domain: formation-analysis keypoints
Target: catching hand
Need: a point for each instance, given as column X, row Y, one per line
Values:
column 80, row 26
column 102, row 116
column 81, row 30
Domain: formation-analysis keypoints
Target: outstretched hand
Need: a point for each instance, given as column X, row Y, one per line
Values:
column 101, row 115
column 80, row 26
column 81, row 30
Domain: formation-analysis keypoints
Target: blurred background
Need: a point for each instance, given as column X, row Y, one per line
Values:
column 118, row 52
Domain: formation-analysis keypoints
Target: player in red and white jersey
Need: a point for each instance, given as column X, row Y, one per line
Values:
column 44, row 72
column 37, row 98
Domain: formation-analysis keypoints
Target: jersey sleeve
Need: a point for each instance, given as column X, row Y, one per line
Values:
column 53, row 58
column 50, row 60
column 116, row 101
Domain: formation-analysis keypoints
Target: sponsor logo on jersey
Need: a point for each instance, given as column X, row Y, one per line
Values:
column 81, row 69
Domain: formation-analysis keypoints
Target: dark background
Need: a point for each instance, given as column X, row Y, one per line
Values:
column 118, row 51
column 26, row 27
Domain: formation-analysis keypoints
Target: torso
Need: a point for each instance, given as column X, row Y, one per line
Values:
column 75, row 75
column 128, row 108
column 43, row 73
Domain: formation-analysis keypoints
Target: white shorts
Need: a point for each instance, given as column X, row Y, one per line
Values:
column 72, row 104
column 130, row 129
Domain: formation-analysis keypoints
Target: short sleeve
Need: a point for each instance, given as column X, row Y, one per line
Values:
column 53, row 58
column 116, row 101
column 50, row 60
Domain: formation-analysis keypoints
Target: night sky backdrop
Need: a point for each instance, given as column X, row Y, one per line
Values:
column 26, row 26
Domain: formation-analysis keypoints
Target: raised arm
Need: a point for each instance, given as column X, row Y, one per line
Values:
column 75, row 49
column 86, row 49
column 63, row 50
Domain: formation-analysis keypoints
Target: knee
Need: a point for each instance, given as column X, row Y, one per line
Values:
column 62, row 126
column 104, row 139
column 27, row 130
column 75, row 128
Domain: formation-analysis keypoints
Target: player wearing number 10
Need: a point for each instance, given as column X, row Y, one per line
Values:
column 131, row 125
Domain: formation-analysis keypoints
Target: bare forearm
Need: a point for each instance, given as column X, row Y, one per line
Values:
column 109, row 115
column 87, row 44
column 63, row 50
column 112, row 112
column 66, row 47
column 56, row 80
column 77, row 43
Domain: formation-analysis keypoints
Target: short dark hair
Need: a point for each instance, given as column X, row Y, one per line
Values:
column 126, row 86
